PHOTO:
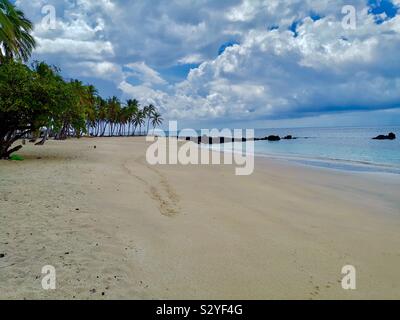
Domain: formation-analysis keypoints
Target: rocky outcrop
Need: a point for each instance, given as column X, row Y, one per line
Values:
column 390, row 136
column 289, row 137
column 273, row 138
column 222, row 140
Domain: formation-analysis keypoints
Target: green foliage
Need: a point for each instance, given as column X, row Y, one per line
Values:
column 24, row 98
column 31, row 99
column 35, row 98
column 156, row 119
column 38, row 98
column 15, row 37
column 16, row 157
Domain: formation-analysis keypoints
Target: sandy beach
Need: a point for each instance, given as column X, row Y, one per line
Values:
column 115, row 227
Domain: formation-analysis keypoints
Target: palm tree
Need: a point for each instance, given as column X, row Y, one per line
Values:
column 132, row 108
column 156, row 120
column 102, row 113
column 139, row 121
column 123, row 119
column 113, row 112
column 6, row 26
column 90, row 98
column 148, row 112
column 16, row 41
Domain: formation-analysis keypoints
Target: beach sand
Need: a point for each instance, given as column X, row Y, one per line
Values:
column 115, row 227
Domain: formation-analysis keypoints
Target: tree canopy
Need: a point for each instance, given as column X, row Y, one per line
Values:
column 37, row 97
column 32, row 98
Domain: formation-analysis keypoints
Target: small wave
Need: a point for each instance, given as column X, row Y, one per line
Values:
column 338, row 164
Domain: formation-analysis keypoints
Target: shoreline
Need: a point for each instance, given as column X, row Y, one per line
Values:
column 110, row 223
column 321, row 162
column 336, row 164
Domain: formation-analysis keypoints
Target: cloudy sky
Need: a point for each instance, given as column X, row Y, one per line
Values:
column 247, row 63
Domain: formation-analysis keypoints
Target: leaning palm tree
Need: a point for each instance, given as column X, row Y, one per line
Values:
column 156, row 120
column 16, row 42
column 148, row 112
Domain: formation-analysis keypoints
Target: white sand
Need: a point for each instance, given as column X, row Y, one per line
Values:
column 176, row 232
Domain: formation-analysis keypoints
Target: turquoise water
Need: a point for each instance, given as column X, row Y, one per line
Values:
column 342, row 148
column 339, row 148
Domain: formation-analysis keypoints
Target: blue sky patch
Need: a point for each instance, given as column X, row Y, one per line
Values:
column 177, row 73
column 226, row 45
column 315, row 16
column 379, row 7
column 293, row 28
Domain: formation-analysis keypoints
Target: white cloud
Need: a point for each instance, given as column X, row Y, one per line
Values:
column 144, row 73
column 269, row 73
column 96, row 50
column 98, row 69
column 191, row 59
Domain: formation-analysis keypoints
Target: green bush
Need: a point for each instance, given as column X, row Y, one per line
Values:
column 16, row 157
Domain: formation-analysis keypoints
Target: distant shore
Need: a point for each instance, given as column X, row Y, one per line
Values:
column 115, row 227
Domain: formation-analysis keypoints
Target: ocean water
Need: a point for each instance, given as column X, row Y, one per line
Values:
column 340, row 148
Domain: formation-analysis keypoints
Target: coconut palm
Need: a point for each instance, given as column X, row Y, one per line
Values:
column 102, row 115
column 16, row 41
column 148, row 112
column 156, row 120
column 113, row 112
column 138, row 121
column 132, row 108
column 6, row 27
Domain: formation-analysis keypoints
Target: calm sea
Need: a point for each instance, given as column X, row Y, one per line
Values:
column 339, row 148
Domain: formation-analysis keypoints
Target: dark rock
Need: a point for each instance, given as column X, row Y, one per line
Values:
column 390, row 136
column 2, row 255
column 289, row 137
column 273, row 138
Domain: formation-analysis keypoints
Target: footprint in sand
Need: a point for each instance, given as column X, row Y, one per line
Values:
column 162, row 193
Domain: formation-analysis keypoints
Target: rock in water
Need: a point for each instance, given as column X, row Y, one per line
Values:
column 390, row 136
column 273, row 138
column 289, row 137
